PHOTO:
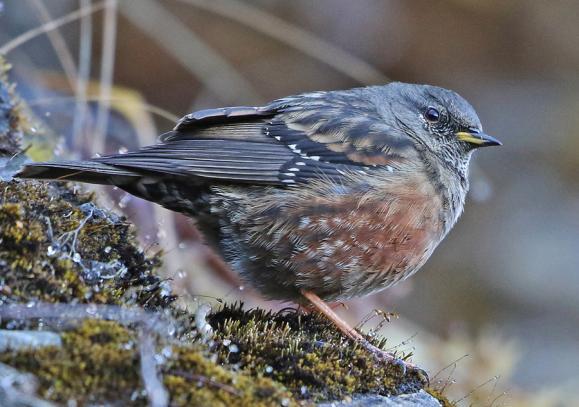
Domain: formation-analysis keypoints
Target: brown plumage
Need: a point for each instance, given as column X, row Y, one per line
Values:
column 327, row 195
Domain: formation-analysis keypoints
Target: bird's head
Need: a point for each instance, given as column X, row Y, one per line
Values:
column 440, row 121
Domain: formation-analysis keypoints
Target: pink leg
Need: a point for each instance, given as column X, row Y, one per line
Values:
column 351, row 333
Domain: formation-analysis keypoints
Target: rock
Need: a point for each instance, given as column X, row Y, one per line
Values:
column 17, row 340
column 419, row 399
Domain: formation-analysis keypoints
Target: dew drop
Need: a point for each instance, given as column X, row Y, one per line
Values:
column 124, row 201
column 91, row 309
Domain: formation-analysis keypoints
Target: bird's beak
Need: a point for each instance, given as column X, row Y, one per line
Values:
column 478, row 139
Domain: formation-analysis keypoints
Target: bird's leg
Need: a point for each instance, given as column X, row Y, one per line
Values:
column 351, row 333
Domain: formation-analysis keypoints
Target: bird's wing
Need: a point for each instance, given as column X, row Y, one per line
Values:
column 340, row 127
column 292, row 140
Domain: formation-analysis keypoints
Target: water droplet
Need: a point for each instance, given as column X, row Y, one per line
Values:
column 182, row 245
column 91, row 309
column 241, row 288
column 76, row 258
column 285, row 402
column 226, row 342
column 50, row 251
column 108, row 249
column 124, row 201
column 233, row 348
column 268, row 369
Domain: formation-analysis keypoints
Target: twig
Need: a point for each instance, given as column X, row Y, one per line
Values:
column 155, row 322
column 49, row 26
column 156, row 392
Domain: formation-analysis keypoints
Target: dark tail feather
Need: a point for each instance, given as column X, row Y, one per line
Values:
column 83, row 171
column 190, row 197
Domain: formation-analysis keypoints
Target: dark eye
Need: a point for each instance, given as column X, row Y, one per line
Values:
column 432, row 115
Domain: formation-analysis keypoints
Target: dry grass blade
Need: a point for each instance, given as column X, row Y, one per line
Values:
column 106, row 75
column 58, row 43
column 294, row 36
column 187, row 48
column 159, row 111
column 84, row 65
column 49, row 26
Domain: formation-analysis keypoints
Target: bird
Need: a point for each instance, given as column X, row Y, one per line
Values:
column 313, row 198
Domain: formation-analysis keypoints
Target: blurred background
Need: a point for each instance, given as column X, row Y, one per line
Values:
column 494, row 314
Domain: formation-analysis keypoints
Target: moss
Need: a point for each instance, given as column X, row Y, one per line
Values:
column 196, row 380
column 99, row 362
column 96, row 362
column 11, row 119
column 57, row 246
column 304, row 352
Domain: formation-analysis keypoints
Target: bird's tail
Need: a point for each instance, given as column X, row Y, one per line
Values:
column 84, row 171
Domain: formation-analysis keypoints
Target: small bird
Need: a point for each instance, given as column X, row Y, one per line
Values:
column 318, row 197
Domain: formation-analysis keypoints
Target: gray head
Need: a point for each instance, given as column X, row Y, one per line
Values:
column 439, row 121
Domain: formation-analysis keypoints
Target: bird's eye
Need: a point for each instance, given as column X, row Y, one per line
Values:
column 432, row 115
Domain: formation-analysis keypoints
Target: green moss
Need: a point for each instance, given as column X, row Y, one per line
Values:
column 304, row 352
column 99, row 362
column 57, row 246
column 96, row 362
column 196, row 380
